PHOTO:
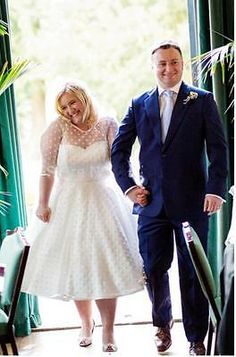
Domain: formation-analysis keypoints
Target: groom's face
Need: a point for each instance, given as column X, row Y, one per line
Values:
column 168, row 67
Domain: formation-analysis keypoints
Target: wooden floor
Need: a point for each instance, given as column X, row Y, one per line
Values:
column 132, row 341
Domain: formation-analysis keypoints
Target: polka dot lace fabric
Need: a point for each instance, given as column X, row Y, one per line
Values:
column 63, row 132
column 89, row 249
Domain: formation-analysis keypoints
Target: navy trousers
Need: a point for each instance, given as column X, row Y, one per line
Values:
column 156, row 243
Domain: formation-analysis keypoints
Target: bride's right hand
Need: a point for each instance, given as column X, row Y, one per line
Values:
column 43, row 213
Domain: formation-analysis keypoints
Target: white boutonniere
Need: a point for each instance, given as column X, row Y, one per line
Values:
column 191, row 96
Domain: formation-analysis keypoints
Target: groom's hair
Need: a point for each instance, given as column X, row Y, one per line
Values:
column 165, row 45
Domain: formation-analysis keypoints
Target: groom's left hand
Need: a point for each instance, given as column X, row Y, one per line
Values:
column 212, row 204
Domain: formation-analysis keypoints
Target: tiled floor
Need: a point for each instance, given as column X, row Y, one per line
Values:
column 58, row 335
column 132, row 341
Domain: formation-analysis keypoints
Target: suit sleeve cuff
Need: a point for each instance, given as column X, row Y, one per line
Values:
column 129, row 189
column 211, row 194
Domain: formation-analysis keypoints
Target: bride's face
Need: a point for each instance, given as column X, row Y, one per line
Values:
column 71, row 107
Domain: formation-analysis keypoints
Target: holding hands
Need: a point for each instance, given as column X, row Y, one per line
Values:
column 139, row 195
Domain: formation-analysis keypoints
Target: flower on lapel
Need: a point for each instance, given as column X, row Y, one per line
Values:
column 191, row 96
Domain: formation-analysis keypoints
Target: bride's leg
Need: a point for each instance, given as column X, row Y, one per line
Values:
column 107, row 309
column 84, row 308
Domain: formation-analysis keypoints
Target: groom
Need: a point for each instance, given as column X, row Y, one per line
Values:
column 177, row 184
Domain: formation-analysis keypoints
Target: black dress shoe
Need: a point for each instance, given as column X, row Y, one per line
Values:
column 197, row 349
column 163, row 338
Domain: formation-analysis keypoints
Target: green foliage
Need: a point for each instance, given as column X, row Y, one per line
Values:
column 8, row 77
column 3, row 203
column 3, row 170
column 102, row 43
column 105, row 44
column 207, row 63
column 3, row 28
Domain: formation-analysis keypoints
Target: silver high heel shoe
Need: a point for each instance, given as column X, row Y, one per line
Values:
column 109, row 347
column 86, row 341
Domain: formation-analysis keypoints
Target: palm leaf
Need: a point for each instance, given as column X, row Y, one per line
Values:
column 8, row 76
column 3, row 28
column 207, row 63
column 3, row 170
column 4, row 205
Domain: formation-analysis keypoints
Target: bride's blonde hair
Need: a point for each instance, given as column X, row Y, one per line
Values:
column 90, row 114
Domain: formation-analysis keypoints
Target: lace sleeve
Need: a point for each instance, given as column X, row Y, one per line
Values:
column 111, row 131
column 49, row 145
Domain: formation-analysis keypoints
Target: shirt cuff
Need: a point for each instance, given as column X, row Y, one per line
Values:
column 129, row 189
column 212, row 194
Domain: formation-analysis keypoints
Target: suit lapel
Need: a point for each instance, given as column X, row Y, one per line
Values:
column 152, row 106
column 178, row 115
column 152, row 109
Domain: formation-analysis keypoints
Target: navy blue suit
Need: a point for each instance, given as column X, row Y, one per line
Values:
column 178, row 176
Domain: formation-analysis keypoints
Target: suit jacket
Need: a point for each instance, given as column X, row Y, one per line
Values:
column 177, row 173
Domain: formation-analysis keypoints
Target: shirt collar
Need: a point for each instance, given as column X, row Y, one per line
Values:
column 174, row 89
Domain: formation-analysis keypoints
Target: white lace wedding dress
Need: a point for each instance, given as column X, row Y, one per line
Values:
column 89, row 249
